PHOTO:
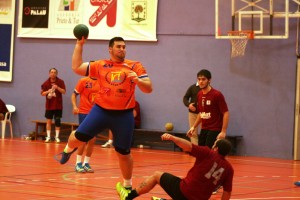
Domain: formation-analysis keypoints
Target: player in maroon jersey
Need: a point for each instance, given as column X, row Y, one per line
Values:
column 210, row 170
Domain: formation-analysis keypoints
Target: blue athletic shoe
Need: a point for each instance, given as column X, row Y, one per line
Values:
column 88, row 168
column 297, row 183
column 79, row 168
column 66, row 156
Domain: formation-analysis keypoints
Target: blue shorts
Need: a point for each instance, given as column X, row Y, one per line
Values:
column 120, row 122
column 81, row 117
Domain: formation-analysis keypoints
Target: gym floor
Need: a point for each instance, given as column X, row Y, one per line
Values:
column 29, row 171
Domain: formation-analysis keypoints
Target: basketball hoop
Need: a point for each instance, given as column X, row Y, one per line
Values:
column 239, row 41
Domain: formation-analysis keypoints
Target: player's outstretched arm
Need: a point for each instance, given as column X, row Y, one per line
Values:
column 78, row 66
column 182, row 143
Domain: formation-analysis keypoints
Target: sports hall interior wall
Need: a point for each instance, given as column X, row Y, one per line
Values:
column 259, row 87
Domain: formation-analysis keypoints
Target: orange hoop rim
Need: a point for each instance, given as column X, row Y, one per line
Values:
column 250, row 34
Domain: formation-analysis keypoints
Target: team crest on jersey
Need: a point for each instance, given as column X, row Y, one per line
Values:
column 115, row 77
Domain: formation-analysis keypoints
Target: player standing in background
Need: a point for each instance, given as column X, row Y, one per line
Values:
column 87, row 88
column 53, row 89
column 213, row 112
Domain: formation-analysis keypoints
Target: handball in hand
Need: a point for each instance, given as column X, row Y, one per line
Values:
column 81, row 30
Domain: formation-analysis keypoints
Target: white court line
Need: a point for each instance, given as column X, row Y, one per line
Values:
column 263, row 161
column 20, row 181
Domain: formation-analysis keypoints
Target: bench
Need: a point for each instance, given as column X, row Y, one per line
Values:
column 65, row 130
column 234, row 139
column 146, row 137
column 40, row 127
column 151, row 139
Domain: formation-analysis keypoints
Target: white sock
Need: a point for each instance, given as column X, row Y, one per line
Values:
column 57, row 133
column 127, row 183
column 110, row 141
column 78, row 158
column 86, row 159
column 48, row 133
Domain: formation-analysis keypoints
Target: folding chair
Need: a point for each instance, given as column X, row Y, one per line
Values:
column 7, row 120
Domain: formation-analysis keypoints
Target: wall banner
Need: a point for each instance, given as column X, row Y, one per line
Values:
column 7, row 18
column 130, row 19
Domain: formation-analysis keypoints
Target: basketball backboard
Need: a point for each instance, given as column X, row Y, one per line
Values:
column 268, row 19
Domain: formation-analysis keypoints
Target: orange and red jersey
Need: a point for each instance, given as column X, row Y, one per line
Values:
column 116, row 90
column 87, row 88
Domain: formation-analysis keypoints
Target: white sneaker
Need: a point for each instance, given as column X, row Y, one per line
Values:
column 107, row 145
column 57, row 140
column 48, row 139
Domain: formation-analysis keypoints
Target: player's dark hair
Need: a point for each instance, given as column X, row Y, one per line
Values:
column 205, row 73
column 224, row 146
column 54, row 69
column 112, row 41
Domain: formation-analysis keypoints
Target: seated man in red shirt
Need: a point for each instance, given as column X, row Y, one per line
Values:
column 3, row 109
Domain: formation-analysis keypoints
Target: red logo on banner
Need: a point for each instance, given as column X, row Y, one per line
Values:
column 27, row 11
column 105, row 8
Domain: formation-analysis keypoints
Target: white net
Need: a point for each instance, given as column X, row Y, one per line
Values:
column 239, row 42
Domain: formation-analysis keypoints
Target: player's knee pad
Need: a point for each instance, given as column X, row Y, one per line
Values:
column 82, row 137
column 57, row 122
column 122, row 151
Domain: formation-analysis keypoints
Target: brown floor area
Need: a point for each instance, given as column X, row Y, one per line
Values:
column 29, row 171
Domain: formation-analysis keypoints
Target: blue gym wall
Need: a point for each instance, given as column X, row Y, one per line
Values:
column 259, row 87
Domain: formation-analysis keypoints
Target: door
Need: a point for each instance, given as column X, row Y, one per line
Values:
column 297, row 115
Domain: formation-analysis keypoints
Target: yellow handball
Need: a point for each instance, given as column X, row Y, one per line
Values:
column 169, row 126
